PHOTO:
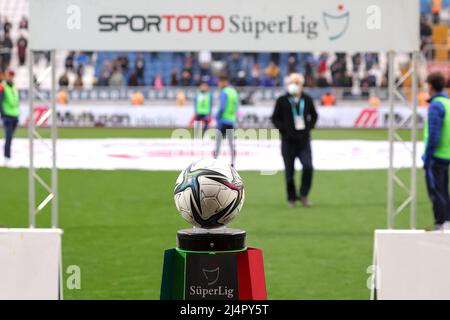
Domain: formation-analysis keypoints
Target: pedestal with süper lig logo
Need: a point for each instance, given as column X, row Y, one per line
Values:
column 213, row 265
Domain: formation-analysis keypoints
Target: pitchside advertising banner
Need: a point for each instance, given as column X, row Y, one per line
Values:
column 225, row 25
column 181, row 117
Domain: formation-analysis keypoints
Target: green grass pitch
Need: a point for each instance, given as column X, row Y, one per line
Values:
column 118, row 223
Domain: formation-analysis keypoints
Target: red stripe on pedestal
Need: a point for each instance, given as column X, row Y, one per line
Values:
column 251, row 278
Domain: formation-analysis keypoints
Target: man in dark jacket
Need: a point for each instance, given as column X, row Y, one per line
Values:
column 295, row 116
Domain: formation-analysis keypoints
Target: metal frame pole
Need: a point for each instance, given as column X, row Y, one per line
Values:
column 54, row 139
column 391, row 170
column 31, row 183
column 413, row 214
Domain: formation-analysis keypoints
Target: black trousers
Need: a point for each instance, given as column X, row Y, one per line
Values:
column 291, row 151
column 9, row 125
column 437, row 184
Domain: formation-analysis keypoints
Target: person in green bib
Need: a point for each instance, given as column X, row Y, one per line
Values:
column 203, row 103
column 9, row 111
column 226, row 117
column 436, row 157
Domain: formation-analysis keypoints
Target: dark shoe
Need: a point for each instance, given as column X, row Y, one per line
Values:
column 305, row 202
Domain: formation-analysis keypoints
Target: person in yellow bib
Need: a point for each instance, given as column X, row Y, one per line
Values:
column 436, row 157
column 203, row 103
column 226, row 117
column 9, row 111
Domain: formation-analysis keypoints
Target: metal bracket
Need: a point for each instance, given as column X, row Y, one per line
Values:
column 34, row 178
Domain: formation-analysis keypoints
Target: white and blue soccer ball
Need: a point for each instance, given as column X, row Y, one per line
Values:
column 209, row 193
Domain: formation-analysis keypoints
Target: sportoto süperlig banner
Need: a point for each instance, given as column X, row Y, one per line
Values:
column 225, row 25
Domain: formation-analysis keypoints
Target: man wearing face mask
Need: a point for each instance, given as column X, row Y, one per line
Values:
column 295, row 116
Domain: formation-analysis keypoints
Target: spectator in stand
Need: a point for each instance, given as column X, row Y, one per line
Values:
column 204, row 61
column 234, row 66
column 158, row 82
column 268, row 81
column 2, row 53
column 78, row 84
column 242, row 80
column 123, row 62
column 436, row 8
column 356, row 60
column 133, row 80
column 292, row 64
column 23, row 24
column 69, row 60
column 322, row 68
column 7, row 26
column 7, row 47
column 174, row 77
column 328, row 100
column 64, row 80
column 322, row 81
column 140, row 67
column 196, row 80
column 103, row 81
column 425, row 32
column 255, row 75
column 22, row 45
column 186, row 78
column 116, row 79
column 273, row 72
column 81, row 59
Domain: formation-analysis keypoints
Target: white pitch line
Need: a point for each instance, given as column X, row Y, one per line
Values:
column 176, row 154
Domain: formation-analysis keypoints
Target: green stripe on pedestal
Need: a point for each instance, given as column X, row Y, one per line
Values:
column 174, row 274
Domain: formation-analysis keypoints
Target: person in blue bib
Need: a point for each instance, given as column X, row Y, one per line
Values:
column 203, row 103
column 226, row 117
column 436, row 157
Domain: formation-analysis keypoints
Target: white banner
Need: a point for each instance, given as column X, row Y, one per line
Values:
column 254, row 152
column 180, row 117
column 30, row 264
column 225, row 25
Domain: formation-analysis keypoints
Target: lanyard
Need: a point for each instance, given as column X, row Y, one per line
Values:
column 294, row 109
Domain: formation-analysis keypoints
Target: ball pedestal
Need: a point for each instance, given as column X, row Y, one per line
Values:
column 213, row 265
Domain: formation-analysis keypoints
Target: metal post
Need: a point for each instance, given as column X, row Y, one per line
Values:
column 391, row 170
column 54, row 138
column 413, row 216
column 31, row 186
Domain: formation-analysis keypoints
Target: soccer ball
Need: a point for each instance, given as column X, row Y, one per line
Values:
column 209, row 193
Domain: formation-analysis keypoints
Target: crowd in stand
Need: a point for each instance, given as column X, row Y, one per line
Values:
column 361, row 70
column 7, row 43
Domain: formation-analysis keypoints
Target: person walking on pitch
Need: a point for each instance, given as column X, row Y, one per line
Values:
column 9, row 111
column 295, row 116
column 437, row 150
column 226, row 117
column 203, row 103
